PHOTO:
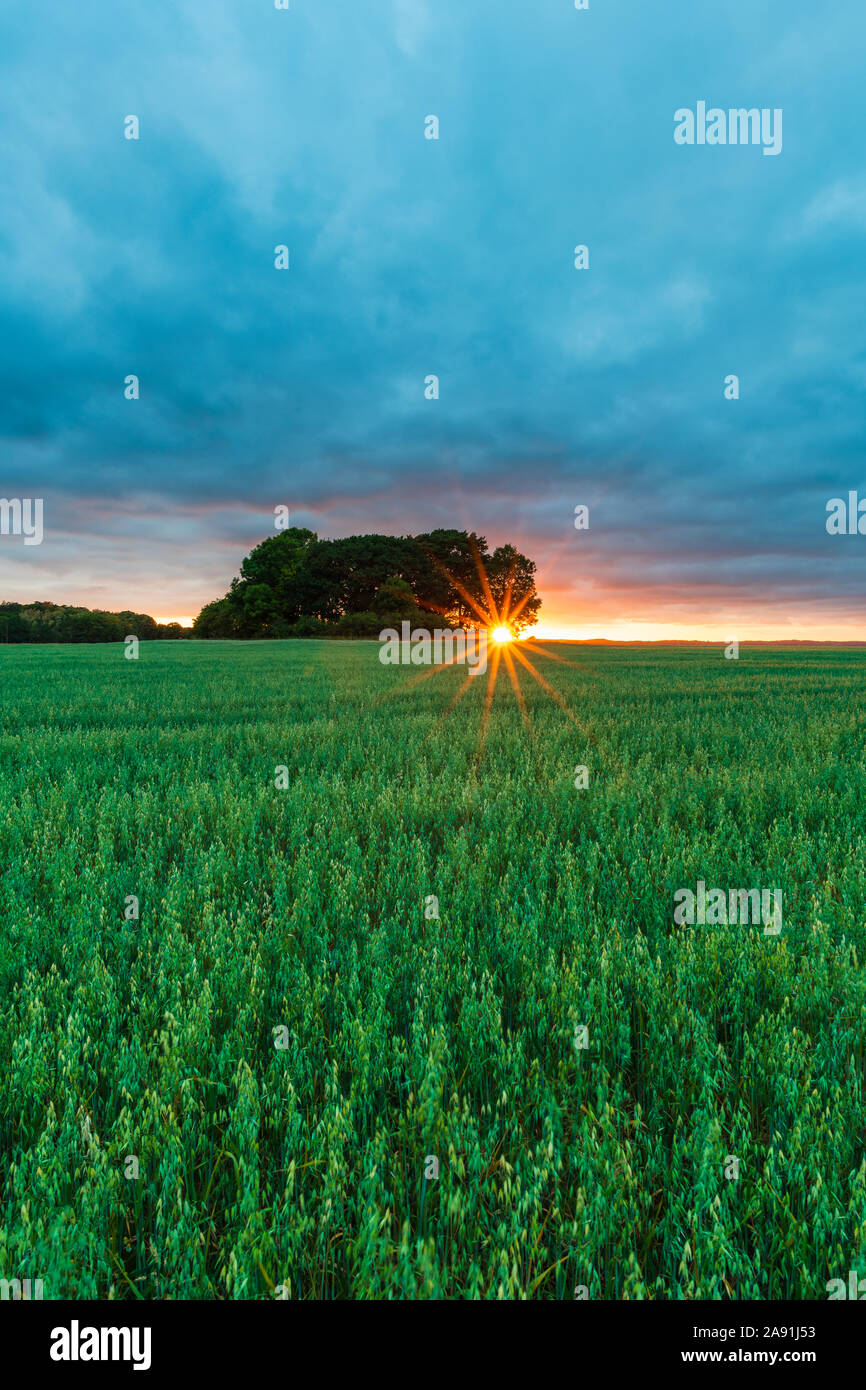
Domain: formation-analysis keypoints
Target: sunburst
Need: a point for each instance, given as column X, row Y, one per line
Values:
column 500, row 621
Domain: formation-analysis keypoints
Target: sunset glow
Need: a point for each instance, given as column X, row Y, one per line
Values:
column 624, row 630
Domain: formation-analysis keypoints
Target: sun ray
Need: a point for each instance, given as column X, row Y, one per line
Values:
column 506, row 603
column 449, row 707
column 554, row 694
column 501, row 633
column 462, row 591
column 416, row 680
column 506, row 652
column 488, row 696
column 550, row 563
column 515, row 612
column 554, row 656
column 485, row 583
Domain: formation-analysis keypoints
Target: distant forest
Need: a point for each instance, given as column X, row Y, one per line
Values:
column 294, row 585
column 58, row 622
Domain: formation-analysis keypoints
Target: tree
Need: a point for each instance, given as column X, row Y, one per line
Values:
column 138, row 625
column 55, row 622
column 394, row 603
column 266, row 591
column 511, row 577
column 344, row 576
column 293, row 580
column 449, row 572
column 216, row 620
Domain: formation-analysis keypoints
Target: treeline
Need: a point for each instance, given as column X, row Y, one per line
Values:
column 294, row 585
column 58, row 622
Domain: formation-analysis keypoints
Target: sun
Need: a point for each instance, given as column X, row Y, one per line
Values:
column 500, row 621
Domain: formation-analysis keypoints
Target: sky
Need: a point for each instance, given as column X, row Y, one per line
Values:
column 410, row 257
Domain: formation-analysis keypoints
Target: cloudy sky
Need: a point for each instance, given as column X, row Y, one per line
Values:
column 455, row 257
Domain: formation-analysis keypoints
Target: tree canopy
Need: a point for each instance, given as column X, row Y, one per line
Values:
column 41, row 621
column 294, row 585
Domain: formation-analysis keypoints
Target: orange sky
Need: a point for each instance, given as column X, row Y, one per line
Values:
column 605, row 601
column 623, row 614
column 625, row 630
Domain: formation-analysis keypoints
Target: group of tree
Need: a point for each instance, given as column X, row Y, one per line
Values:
column 294, row 585
column 58, row 622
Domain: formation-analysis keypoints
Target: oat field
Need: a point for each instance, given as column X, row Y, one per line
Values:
column 412, row 1018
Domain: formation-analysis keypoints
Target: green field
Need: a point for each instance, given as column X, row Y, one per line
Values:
column 266, row 1170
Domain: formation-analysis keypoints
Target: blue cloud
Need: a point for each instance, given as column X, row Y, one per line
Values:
column 412, row 256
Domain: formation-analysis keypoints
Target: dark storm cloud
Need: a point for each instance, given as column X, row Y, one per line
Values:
column 453, row 257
